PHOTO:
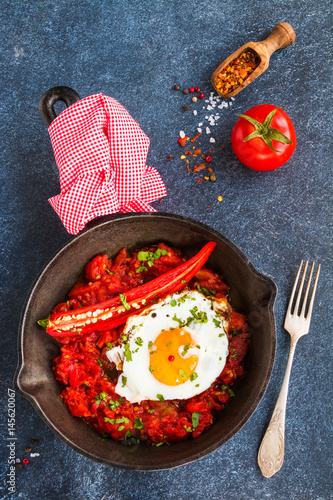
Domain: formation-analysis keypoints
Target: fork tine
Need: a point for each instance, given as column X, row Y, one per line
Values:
column 308, row 316
column 294, row 289
column 298, row 299
column 305, row 300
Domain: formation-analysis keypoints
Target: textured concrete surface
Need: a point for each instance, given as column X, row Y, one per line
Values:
column 135, row 52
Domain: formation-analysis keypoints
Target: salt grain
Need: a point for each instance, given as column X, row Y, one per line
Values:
column 207, row 130
column 182, row 134
column 211, row 139
column 195, row 112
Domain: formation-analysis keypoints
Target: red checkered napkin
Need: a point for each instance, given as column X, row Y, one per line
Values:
column 101, row 155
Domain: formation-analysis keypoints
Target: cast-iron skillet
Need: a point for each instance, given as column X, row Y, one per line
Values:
column 250, row 293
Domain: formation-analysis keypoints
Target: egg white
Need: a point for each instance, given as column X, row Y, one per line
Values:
column 136, row 383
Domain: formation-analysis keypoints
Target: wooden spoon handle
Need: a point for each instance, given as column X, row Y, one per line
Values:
column 281, row 36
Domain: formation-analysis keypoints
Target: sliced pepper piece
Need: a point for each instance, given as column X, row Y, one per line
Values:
column 114, row 312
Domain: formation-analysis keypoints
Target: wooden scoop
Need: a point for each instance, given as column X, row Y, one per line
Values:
column 281, row 36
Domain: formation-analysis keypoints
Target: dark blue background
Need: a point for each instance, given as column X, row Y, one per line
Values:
column 135, row 52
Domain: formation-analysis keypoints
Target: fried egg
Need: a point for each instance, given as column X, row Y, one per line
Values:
column 173, row 350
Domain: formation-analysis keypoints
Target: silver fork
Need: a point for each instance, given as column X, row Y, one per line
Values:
column 271, row 451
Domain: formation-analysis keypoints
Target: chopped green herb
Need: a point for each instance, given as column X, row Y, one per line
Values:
column 188, row 429
column 110, row 420
column 124, row 301
column 139, row 341
column 121, row 400
column 224, row 387
column 173, row 302
column 197, row 385
column 169, row 344
column 186, row 348
column 100, row 362
column 231, row 393
column 233, row 355
column 110, row 345
column 160, row 397
column 138, row 424
column 124, row 380
column 195, row 419
column 127, row 352
column 121, row 428
column 124, row 338
column 183, row 374
column 151, row 369
column 140, row 269
column 204, row 291
column 109, row 271
column 217, row 323
column 150, row 344
column 113, row 404
column 122, row 420
column 152, row 411
column 183, row 281
column 193, row 376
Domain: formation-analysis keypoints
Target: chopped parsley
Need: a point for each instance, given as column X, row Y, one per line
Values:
column 173, row 302
column 101, row 397
column 195, row 419
column 138, row 424
column 124, row 301
column 122, row 420
column 110, row 345
column 188, row 429
column 217, row 323
column 160, row 397
column 113, row 404
column 186, row 348
column 149, row 258
column 127, row 352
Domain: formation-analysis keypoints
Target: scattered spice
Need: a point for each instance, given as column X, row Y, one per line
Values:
column 236, row 72
column 201, row 95
column 25, row 460
column 199, row 181
column 219, row 198
column 194, row 99
column 191, row 90
column 169, row 157
column 213, row 178
column 209, row 159
column 197, row 168
column 197, row 89
column 186, row 107
column 197, row 151
column 195, row 137
column 27, row 450
column 183, row 140
column 177, row 87
column 186, row 91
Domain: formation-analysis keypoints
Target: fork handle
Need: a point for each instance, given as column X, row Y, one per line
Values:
column 271, row 451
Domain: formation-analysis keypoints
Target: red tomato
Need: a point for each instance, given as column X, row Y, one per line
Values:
column 255, row 153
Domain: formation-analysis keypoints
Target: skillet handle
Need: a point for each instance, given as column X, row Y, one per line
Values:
column 48, row 100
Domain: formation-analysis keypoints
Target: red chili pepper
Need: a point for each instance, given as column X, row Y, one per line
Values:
column 182, row 140
column 115, row 311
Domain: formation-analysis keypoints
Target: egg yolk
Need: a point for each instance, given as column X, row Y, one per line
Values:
column 170, row 363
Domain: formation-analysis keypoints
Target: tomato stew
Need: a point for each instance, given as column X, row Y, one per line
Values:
column 88, row 378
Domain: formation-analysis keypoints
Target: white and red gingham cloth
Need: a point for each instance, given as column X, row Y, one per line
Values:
column 101, row 155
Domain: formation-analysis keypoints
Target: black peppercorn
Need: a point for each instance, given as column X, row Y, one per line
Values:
column 186, row 91
column 185, row 107
column 177, row 87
